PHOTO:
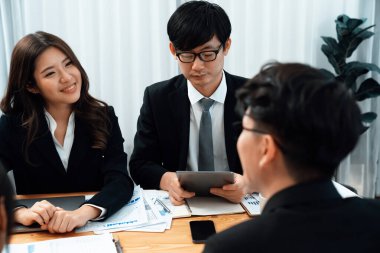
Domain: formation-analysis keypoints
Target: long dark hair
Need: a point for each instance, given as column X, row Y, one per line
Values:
column 19, row 101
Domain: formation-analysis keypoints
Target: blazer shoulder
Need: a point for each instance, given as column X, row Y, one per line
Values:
column 235, row 82
column 166, row 86
column 234, row 78
column 111, row 110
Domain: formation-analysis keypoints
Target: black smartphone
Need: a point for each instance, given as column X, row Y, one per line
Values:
column 201, row 230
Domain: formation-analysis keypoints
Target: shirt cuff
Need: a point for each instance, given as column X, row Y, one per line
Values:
column 103, row 212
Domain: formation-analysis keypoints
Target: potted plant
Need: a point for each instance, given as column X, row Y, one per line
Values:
column 350, row 35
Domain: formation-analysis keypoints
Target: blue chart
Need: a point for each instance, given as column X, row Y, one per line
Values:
column 251, row 204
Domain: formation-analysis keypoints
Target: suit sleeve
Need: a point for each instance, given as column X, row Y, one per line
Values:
column 5, row 152
column 146, row 160
column 117, row 189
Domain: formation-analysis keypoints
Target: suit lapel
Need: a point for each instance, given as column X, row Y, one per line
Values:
column 229, row 118
column 180, row 106
column 80, row 145
column 45, row 145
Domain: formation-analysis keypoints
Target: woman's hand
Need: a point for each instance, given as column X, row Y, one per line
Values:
column 66, row 221
column 41, row 212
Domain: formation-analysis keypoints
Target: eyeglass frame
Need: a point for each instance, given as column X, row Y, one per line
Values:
column 255, row 130
column 216, row 52
column 261, row 132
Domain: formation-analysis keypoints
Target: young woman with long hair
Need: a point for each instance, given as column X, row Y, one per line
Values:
column 56, row 137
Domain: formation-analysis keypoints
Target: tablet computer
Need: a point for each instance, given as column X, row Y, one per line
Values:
column 68, row 203
column 200, row 182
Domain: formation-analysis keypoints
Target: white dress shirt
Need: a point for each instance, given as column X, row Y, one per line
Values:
column 65, row 149
column 217, row 119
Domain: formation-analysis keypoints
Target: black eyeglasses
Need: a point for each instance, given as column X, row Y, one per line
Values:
column 206, row 56
column 239, row 127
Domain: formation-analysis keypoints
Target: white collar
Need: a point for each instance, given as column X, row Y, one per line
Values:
column 52, row 124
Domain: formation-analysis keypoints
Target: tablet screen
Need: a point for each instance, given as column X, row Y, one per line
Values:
column 200, row 182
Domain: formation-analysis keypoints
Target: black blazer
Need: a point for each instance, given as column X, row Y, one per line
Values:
column 162, row 140
column 88, row 169
column 309, row 217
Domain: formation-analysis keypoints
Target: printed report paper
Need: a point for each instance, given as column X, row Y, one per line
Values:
column 84, row 244
column 131, row 215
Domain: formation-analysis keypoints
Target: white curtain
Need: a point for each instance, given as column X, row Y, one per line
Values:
column 11, row 29
column 123, row 46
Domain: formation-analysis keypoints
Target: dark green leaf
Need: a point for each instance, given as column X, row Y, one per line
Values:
column 368, row 117
column 330, row 56
column 341, row 26
column 327, row 73
column 353, row 23
column 332, row 43
column 350, row 42
column 363, row 33
column 353, row 70
column 342, row 20
column 368, row 89
column 352, row 45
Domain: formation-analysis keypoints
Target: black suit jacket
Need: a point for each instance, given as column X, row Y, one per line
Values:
column 162, row 140
column 88, row 169
column 306, row 218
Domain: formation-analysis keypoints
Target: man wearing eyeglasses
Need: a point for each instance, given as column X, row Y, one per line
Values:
column 298, row 125
column 185, row 123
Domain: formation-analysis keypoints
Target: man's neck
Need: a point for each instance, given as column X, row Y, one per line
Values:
column 278, row 180
column 60, row 114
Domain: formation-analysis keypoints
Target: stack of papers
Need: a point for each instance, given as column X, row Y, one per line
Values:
column 196, row 206
column 152, row 211
column 163, row 203
column 139, row 214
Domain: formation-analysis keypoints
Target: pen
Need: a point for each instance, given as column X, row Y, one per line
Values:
column 163, row 205
column 119, row 249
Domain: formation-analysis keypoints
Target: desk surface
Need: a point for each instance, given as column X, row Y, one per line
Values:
column 176, row 239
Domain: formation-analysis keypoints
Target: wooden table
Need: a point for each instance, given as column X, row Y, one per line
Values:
column 177, row 239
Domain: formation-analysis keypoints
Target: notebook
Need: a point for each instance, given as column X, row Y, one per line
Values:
column 67, row 203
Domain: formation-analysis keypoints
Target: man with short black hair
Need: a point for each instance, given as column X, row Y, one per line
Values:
column 185, row 123
column 298, row 126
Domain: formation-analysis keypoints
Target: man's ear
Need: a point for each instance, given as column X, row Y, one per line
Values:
column 32, row 88
column 227, row 46
column 172, row 50
column 269, row 151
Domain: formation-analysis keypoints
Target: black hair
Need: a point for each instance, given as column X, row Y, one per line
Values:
column 314, row 120
column 195, row 22
column 6, row 192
